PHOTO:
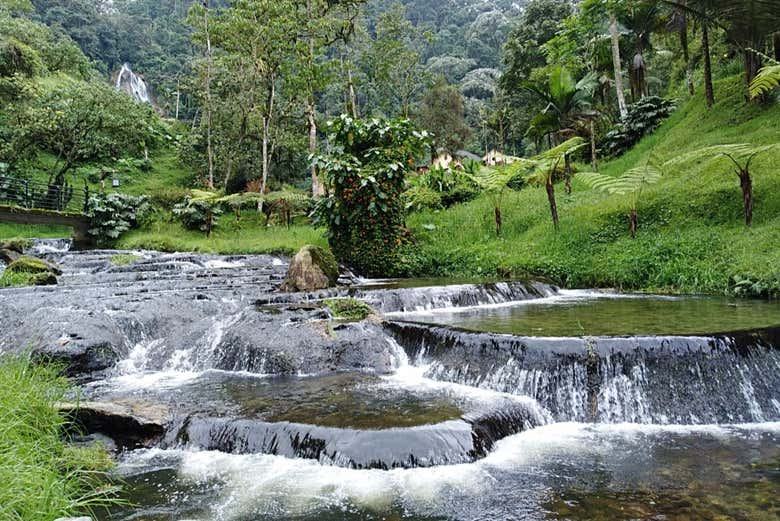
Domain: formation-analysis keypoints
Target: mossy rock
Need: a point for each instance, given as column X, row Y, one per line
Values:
column 16, row 244
column 313, row 268
column 11, row 280
column 124, row 259
column 9, row 256
column 349, row 308
column 26, row 264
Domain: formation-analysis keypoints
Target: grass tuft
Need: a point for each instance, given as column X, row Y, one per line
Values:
column 42, row 478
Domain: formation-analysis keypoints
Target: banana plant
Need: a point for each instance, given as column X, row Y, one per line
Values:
column 630, row 183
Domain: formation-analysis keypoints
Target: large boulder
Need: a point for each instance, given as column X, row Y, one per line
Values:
column 313, row 268
column 17, row 245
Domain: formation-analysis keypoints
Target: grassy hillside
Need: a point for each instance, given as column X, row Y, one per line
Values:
column 691, row 235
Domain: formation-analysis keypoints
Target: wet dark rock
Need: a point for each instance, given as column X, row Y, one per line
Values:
column 130, row 426
column 9, row 256
column 726, row 378
column 16, row 245
column 313, row 268
column 127, row 425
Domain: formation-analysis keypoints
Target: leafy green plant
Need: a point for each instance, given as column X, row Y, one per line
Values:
column 642, row 119
column 365, row 172
column 768, row 79
column 630, row 183
column 200, row 210
column 111, row 215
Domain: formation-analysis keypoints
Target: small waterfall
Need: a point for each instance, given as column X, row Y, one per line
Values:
column 129, row 82
column 664, row 380
column 47, row 246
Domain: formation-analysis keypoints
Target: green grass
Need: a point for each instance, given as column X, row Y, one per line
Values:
column 349, row 308
column 42, row 478
column 124, row 259
column 8, row 230
column 250, row 236
column 691, row 237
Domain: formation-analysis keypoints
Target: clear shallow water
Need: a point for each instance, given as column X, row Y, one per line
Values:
column 584, row 313
column 561, row 471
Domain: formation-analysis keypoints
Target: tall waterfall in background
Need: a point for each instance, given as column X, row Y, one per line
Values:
column 134, row 85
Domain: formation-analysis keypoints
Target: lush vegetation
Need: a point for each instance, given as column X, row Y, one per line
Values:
column 41, row 477
column 691, row 231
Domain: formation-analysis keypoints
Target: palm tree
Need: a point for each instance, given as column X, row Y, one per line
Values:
column 568, row 103
column 705, row 13
column 641, row 19
column 750, row 25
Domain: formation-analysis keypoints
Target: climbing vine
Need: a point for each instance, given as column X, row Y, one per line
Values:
column 365, row 172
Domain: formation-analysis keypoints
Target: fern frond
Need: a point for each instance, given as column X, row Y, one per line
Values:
column 768, row 78
column 630, row 182
column 736, row 150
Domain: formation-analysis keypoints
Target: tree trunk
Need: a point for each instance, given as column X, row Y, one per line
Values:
column 615, row 35
column 553, row 206
column 567, row 172
column 776, row 39
column 747, row 196
column 266, row 137
column 499, row 220
column 593, row 153
column 317, row 188
column 686, row 52
column 633, row 222
column 752, row 65
column 209, row 115
column 705, row 44
column 352, row 95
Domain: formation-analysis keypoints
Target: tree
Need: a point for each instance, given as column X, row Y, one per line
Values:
column 494, row 183
column 611, row 9
column 365, row 171
column 741, row 155
column 567, row 103
column 441, row 113
column 631, row 183
column 543, row 168
column 642, row 19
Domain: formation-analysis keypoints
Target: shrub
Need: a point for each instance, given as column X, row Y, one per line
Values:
column 642, row 119
column 199, row 214
column 365, row 171
column 113, row 214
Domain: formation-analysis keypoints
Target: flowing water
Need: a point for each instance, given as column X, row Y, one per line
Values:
column 499, row 401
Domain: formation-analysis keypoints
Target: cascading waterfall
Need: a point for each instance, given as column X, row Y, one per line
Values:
column 129, row 82
column 662, row 380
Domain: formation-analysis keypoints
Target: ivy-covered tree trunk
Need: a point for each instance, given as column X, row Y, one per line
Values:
column 499, row 220
column 553, row 205
column 633, row 222
column 567, row 173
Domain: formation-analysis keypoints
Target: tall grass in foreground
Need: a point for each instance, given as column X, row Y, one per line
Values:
column 41, row 477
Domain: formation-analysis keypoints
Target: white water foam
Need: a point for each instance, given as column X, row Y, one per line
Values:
column 257, row 485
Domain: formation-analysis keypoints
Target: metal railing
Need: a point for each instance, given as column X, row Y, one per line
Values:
column 25, row 193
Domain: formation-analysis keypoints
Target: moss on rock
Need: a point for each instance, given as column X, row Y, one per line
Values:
column 313, row 268
column 26, row 264
column 16, row 244
column 349, row 308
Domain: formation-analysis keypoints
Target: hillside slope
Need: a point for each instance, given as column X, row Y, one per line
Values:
column 691, row 235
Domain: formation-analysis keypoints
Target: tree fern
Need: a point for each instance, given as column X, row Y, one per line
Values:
column 630, row 183
column 768, row 78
